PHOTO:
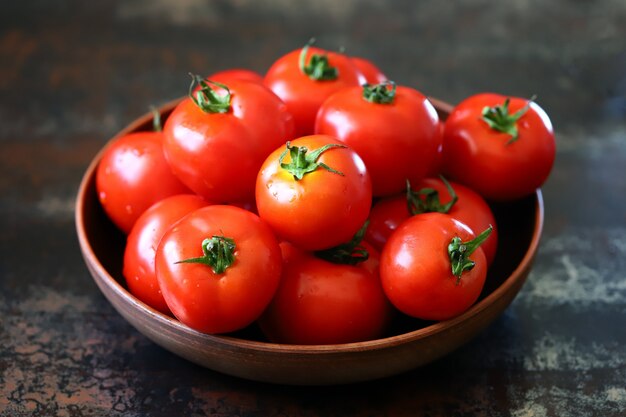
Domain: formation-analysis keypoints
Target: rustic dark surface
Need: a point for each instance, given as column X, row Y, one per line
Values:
column 74, row 72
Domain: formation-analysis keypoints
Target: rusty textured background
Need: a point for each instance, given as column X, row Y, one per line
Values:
column 72, row 73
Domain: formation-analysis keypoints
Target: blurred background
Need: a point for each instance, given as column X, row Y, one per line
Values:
column 72, row 73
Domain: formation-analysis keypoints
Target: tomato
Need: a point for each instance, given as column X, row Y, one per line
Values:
column 372, row 74
column 141, row 244
column 394, row 129
column 501, row 147
column 132, row 175
column 304, row 78
column 217, row 140
column 416, row 267
column 319, row 302
column 218, row 268
column 314, row 192
column 433, row 195
column 226, row 76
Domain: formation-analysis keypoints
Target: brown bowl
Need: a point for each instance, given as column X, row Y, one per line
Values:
column 409, row 344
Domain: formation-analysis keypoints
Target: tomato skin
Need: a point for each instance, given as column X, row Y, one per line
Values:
column 218, row 155
column 227, row 76
column 416, row 273
column 397, row 141
column 132, row 175
column 302, row 95
column 372, row 74
column 219, row 303
column 319, row 302
column 471, row 209
column 322, row 210
column 143, row 240
column 478, row 156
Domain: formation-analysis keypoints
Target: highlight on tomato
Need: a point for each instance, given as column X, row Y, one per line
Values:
column 218, row 268
column 395, row 130
column 314, row 192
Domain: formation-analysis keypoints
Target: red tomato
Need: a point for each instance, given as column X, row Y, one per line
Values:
column 319, row 302
column 504, row 162
column 326, row 205
column 433, row 194
column 304, row 78
column 436, row 167
column 394, row 130
column 132, row 175
column 216, row 149
column 226, row 76
column 372, row 74
column 139, row 270
column 416, row 267
column 218, row 268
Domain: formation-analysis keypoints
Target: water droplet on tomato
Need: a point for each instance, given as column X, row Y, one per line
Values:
column 129, row 209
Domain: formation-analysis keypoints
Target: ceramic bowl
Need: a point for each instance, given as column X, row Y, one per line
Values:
column 409, row 344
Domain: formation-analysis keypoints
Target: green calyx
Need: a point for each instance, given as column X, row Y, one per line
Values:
column 304, row 162
column 350, row 253
column 318, row 67
column 459, row 253
column 383, row 93
column 218, row 253
column 426, row 200
column 206, row 98
column 499, row 119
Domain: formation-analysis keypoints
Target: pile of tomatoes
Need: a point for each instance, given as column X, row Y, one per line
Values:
column 318, row 200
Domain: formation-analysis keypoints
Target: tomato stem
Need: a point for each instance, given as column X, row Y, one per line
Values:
column 206, row 98
column 318, row 68
column 303, row 163
column 498, row 118
column 426, row 200
column 156, row 119
column 218, row 253
column 349, row 253
column 383, row 93
column 459, row 253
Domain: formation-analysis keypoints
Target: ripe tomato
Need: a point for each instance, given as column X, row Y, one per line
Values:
column 139, row 270
column 394, row 129
column 372, row 74
column 218, row 268
column 217, row 139
column 314, row 193
column 433, row 195
column 304, row 78
column 226, row 76
column 503, row 148
column 132, row 175
column 432, row 268
column 319, row 302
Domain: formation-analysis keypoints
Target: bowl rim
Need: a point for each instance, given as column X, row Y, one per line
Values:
column 271, row 347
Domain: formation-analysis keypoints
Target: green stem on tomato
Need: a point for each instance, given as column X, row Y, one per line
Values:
column 318, row 68
column 459, row 253
column 206, row 98
column 426, row 200
column 349, row 253
column 499, row 119
column 218, row 252
column 303, row 162
column 383, row 93
column 156, row 119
